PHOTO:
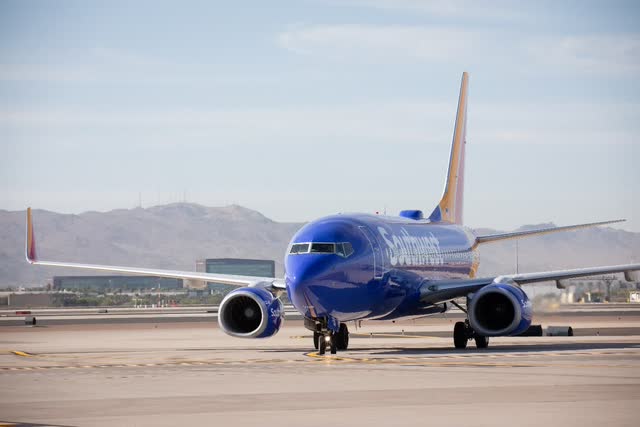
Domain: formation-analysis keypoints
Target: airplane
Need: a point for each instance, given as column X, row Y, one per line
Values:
column 353, row 267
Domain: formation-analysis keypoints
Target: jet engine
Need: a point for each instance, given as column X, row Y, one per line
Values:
column 250, row 313
column 498, row 309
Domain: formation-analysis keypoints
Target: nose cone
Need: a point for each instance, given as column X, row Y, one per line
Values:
column 308, row 277
column 321, row 285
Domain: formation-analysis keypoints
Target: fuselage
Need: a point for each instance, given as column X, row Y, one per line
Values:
column 351, row 267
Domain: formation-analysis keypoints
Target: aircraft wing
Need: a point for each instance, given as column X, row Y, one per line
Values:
column 226, row 279
column 444, row 290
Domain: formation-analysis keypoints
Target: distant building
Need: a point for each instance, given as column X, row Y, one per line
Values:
column 241, row 267
column 29, row 300
column 237, row 266
column 101, row 283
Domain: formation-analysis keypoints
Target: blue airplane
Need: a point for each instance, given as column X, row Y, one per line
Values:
column 345, row 268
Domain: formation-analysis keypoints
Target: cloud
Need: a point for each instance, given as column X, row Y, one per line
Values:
column 385, row 43
column 389, row 123
column 406, row 122
column 97, row 64
column 604, row 53
column 478, row 9
column 47, row 73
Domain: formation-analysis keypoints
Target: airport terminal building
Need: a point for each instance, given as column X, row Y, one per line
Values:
column 241, row 267
column 102, row 283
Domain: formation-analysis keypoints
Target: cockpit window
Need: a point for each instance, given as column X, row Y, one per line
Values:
column 348, row 249
column 343, row 249
column 323, row 248
column 299, row 248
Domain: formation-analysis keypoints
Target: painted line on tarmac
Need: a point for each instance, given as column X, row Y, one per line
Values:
column 21, row 353
column 331, row 357
column 10, row 424
column 450, row 360
column 408, row 361
column 371, row 335
column 430, row 362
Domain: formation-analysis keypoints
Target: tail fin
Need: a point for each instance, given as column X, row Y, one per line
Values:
column 450, row 207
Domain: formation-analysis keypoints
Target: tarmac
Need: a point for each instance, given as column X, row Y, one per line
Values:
column 191, row 373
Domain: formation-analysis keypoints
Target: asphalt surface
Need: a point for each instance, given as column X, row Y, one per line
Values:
column 393, row 374
column 97, row 316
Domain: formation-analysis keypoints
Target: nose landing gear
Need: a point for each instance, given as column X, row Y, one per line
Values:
column 334, row 340
column 327, row 341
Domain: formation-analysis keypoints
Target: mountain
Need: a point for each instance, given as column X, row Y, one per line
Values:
column 174, row 236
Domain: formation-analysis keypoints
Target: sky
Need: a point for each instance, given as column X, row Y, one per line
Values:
column 300, row 109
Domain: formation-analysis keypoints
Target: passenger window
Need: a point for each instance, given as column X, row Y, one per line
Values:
column 299, row 248
column 323, row 248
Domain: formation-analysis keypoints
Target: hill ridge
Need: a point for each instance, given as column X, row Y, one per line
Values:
column 175, row 235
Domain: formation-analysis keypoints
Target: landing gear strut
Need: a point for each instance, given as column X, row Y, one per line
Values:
column 462, row 333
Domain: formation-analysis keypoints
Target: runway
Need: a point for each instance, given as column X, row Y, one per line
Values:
column 402, row 374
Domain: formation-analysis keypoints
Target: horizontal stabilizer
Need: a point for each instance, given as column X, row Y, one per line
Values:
column 518, row 234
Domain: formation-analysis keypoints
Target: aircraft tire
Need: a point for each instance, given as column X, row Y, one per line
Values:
column 316, row 339
column 481, row 342
column 460, row 337
column 322, row 345
column 342, row 337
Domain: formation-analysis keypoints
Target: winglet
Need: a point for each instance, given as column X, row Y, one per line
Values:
column 31, row 240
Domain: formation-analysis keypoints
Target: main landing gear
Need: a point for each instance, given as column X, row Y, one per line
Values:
column 462, row 333
column 334, row 340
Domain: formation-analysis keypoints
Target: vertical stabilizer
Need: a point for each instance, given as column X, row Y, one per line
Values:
column 450, row 208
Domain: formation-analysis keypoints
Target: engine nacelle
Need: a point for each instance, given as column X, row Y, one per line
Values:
column 250, row 313
column 500, row 309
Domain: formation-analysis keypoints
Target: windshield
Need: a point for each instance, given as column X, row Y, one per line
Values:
column 343, row 249
column 299, row 248
column 323, row 248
